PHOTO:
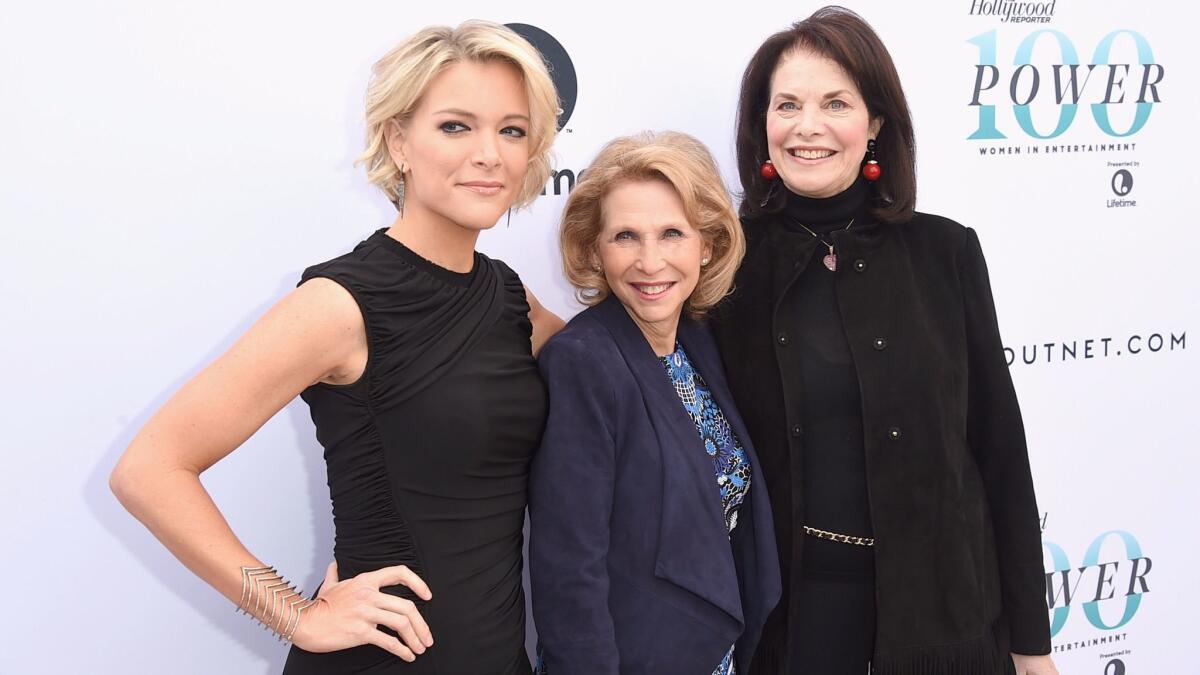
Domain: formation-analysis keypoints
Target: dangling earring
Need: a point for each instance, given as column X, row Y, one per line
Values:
column 400, row 192
column 768, row 170
column 771, row 174
column 871, row 170
column 770, row 192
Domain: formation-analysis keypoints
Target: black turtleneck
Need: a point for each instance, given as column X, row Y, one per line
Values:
column 833, row 461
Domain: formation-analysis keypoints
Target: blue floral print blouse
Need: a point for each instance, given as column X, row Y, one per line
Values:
column 730, row 463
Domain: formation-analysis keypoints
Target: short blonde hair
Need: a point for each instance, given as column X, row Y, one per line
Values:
column 686, row 165
column 403, row 75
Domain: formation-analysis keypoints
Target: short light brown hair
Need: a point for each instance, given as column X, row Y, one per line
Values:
column 403, row 75
column 683, row 163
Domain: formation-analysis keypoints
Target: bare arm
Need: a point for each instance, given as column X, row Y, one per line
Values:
column 157, row 478
column 314, row 334
column 545, row 323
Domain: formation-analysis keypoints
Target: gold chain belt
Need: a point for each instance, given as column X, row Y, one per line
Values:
column 840, row 538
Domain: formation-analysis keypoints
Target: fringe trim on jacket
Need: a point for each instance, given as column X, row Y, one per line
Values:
column 976, row 657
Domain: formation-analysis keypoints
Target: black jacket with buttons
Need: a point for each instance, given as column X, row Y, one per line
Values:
column 959, row 577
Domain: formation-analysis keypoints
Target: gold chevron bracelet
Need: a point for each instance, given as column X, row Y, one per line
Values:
column 272, row 601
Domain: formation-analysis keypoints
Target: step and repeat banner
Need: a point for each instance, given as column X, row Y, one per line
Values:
column 168, row 169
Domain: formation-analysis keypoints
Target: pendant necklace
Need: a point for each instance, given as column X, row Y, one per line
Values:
column 830, row 258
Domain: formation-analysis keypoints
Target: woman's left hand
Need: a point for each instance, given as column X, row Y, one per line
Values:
column 1034, row 665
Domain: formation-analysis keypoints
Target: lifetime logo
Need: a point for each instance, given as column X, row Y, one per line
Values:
column 1064, row 583
column 1029, row 83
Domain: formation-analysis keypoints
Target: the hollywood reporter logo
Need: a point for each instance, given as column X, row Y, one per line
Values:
column 1014, row 12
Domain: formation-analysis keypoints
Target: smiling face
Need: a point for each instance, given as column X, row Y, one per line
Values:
column 650, row 255
column 465, row 149
column 817, row 125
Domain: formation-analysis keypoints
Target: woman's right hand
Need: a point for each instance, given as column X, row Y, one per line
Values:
column 348, row 614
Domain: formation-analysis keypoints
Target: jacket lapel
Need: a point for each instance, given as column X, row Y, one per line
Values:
column 760, row 573
column 693, row 547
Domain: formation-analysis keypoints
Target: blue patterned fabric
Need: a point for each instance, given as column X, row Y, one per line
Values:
column 729, row 459
column 730, row 463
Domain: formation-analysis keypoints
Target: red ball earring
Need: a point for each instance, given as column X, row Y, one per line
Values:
column 871, row 170
column 768, row 170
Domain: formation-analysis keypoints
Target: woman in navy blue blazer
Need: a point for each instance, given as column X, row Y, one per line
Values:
column 651, row 544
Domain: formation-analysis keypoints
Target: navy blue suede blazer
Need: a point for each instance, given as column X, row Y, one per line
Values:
column 632, row 570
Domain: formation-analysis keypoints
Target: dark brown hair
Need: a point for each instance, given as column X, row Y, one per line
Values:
column 844, row 37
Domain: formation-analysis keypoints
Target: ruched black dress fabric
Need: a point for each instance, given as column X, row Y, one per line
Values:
column 428, row 454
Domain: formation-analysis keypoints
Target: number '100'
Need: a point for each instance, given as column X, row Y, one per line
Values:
column 1070, row 83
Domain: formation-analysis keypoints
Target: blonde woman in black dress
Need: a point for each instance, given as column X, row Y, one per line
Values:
column 415, row 354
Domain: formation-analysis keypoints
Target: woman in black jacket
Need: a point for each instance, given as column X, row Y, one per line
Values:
column 862, row 348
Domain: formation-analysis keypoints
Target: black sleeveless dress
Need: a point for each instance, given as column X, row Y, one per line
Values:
column 428, row 454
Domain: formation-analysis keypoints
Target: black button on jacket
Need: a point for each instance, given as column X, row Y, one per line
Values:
column 959, row 577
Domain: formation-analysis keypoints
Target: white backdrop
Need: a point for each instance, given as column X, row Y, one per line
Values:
column 168, row 169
